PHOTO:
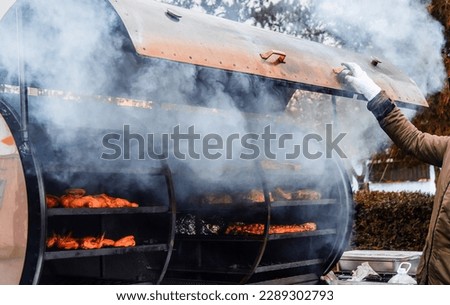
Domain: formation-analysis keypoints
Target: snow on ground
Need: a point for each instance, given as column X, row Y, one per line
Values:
column 425, row 186
column 419, row 186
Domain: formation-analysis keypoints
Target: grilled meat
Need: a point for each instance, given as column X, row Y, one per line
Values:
column 51, row 201
column 75, row 198
column 84, row 202
column 297, row 228
column 254, row 196
column 127, row 241
column 306, row 195
column 106, row 242
column 216, row 199
column 76, row 192
column 257, row 196
column 280, row 194
column 67, row 243
column 122, row 203
column 66, row 200
column 106, row 201
column 276, row 165
column 103, row 200
column 51, row 241
column 90, row 243
column 245, row 229
column 96, row 242
column 258, row 229
column 71, row 194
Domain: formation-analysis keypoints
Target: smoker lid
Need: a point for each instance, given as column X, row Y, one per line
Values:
column 164, row 31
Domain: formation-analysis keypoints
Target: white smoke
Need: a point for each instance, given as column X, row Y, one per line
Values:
column 85, row 54
column 76, row 46
column 401, row 31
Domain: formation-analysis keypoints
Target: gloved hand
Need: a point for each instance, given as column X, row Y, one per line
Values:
column 358, row 79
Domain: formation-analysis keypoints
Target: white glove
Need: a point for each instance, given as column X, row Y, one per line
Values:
column 359, row 81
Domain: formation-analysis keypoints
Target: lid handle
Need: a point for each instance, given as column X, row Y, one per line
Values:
column 281, row 55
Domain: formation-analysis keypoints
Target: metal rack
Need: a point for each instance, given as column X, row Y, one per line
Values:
column 79, row 213
column 259, row 264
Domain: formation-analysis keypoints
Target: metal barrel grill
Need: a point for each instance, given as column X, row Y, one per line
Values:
column 85, row 104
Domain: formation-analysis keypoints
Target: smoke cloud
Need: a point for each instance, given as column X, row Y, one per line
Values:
column 79, row 46
column 402, row 31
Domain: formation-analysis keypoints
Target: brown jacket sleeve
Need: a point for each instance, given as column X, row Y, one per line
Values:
column 426, row 147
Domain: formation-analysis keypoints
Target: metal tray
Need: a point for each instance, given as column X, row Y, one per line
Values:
column 381, row 261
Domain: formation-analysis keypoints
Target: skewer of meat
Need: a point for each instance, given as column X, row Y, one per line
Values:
column 258, row 229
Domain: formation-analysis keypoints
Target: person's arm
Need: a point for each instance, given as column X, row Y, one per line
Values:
column 428, row 148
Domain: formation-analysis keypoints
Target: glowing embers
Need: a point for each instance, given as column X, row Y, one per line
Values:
column 67, row 242
column 76, row 198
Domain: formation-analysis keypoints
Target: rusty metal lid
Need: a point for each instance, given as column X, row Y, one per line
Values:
column 164, row 31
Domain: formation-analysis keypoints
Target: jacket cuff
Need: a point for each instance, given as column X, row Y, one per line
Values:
column 381, row 105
